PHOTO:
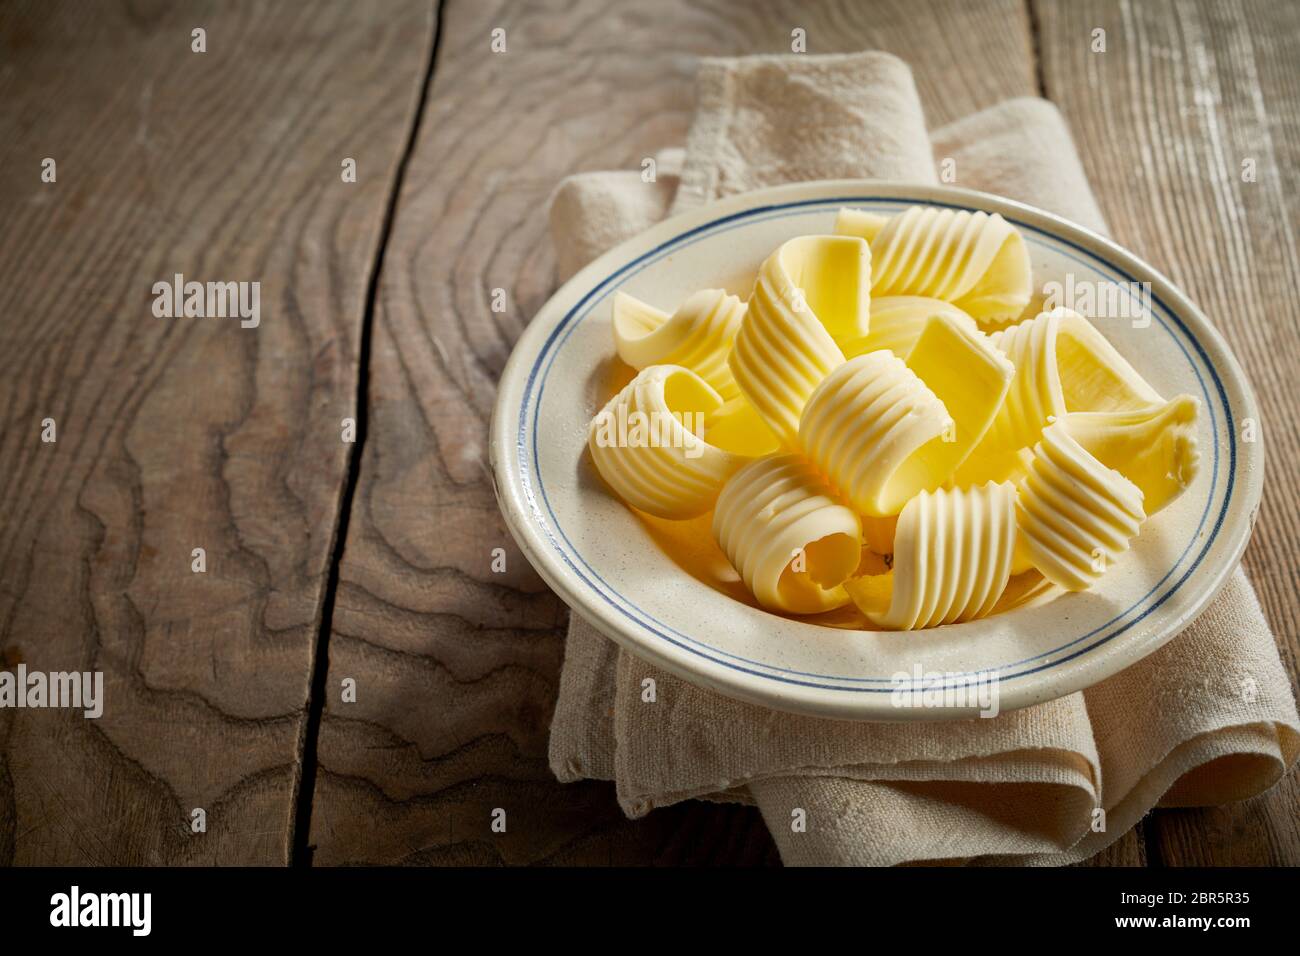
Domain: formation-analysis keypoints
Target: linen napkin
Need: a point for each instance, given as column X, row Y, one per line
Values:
column 1208, row 718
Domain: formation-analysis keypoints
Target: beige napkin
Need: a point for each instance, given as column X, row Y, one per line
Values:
column 1207, row 719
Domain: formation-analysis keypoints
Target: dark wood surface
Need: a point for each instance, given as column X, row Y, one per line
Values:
column 1183, row 95
column 175, row 434
column 371, row 562
column 461, row 665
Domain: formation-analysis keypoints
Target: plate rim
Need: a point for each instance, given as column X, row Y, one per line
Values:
column 1024, row 690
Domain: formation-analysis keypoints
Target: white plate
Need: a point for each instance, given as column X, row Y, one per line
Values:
column 600, row 559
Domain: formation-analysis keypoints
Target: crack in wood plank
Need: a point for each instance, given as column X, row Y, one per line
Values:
column 305, row 787
column 176, row 433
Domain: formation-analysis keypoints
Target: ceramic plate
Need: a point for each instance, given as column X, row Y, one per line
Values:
column 603, row 562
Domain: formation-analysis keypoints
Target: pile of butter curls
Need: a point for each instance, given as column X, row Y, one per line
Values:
column 879, row 394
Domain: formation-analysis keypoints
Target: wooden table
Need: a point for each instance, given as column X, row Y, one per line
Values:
column 333, row 564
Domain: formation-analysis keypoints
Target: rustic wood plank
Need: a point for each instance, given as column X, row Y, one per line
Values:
column 1128, row 850
column 1184, row 94
column 174, row 434
column 456, row 667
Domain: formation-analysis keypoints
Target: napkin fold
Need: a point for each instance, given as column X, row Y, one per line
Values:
column 1208, row 718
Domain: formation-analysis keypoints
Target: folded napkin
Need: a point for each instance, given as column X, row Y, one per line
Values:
column 1208, row 718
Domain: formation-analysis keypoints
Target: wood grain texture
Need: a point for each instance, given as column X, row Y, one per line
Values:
column 1128, row 850
column 174, row 434
column 1184, row 94
column 456, row 667
column 185, row 433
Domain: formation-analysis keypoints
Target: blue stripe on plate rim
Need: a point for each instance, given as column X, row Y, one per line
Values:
column 727, row 659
